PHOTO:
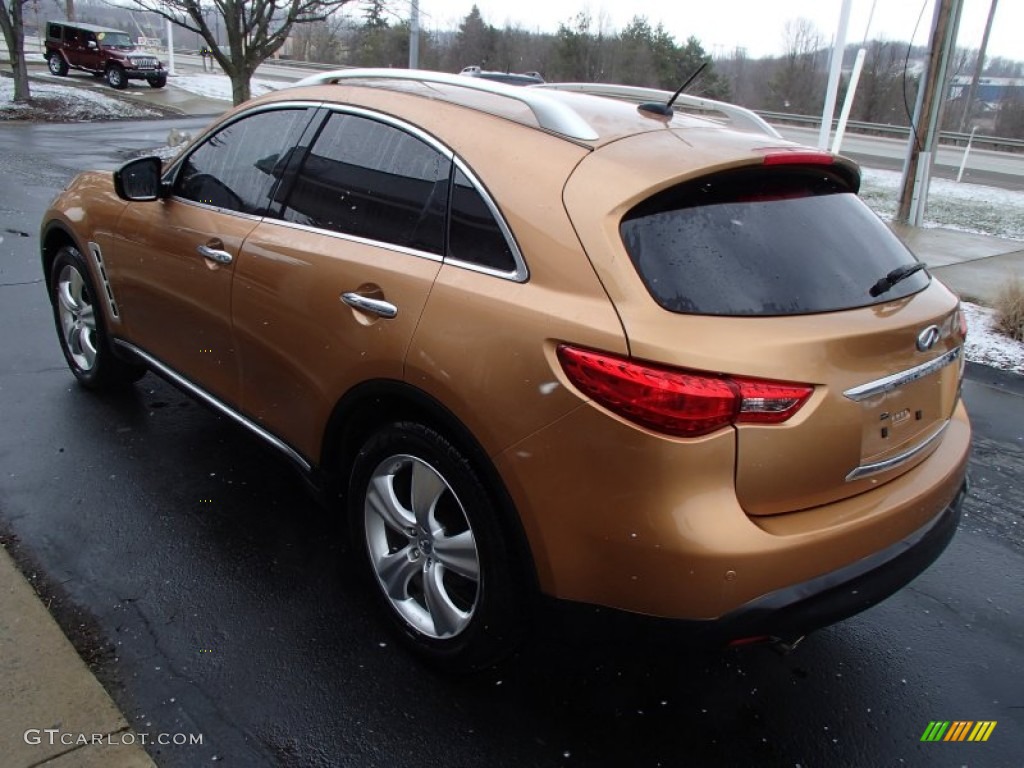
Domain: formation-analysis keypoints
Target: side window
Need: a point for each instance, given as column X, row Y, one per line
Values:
column 475, row 236
column 372, row 180
column 53, row 31
column 239, row 166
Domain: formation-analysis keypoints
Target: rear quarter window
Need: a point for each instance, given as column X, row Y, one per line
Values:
column 764, row 241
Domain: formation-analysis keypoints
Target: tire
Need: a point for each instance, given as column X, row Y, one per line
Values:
column 437, row 561
column 57, row 65
column 116, row 77
column 81, row 327
column 157, row 82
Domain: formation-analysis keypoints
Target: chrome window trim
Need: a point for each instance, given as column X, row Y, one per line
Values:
column 172, row 170
column 217, row 404
column 897, row 380
column 216, row 208
column 551, row 114
column 864, row 470
column 435, row 257
column 394, row 122
column 521, row 273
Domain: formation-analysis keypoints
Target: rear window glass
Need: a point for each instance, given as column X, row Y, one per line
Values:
column 764, row 242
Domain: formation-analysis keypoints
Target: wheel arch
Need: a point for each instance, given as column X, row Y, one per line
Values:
column 56, row 235
column 374, row 404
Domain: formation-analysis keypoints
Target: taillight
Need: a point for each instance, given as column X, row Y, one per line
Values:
column 679, row 402
column 961, row 321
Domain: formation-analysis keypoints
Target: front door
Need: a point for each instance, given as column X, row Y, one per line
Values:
column 176, row 258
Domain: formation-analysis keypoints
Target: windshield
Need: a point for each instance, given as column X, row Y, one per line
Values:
column 115, row 39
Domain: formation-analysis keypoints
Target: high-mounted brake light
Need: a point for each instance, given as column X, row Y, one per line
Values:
column 796, row 156
column 679, row 402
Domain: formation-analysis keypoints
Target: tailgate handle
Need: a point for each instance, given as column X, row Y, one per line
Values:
column 373, row 306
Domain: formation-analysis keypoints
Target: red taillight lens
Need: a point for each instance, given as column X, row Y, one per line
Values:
column 961, row 321
column 796, row 156
column 677, row 402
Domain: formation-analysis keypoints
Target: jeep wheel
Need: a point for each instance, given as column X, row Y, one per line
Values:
column 116, row 77
column 57, row 64
column 157, row 82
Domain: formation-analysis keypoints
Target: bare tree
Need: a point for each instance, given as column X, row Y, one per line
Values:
column 12, row 21
column 797, row 86
column 255, row 29
column 880, row 97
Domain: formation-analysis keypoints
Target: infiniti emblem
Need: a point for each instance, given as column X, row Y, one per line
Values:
column 926, row 339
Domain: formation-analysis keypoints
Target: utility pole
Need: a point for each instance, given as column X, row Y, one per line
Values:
column 978, row 67
column 931, row 97
column 414, row 36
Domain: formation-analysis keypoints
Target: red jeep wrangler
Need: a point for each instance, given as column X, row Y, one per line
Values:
column 106, row 53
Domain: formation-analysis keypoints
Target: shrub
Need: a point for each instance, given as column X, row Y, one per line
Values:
column 1009, row 307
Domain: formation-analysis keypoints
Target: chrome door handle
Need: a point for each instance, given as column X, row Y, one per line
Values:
column 373, row 306
column 221, row 257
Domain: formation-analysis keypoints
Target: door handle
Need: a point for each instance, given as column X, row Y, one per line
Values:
column 373, row 306
column 213, row 254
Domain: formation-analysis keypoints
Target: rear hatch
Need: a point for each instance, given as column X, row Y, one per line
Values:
column 761, row 269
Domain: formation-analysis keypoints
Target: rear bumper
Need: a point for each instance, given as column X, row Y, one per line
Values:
column 837, row 595
column 786, row 613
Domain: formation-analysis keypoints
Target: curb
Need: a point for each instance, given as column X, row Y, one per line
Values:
column 53, row 710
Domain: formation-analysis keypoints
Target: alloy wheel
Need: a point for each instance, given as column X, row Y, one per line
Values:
column 421, row 546
column 77, row 317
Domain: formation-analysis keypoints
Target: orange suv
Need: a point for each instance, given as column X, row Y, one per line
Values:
column 536, row 341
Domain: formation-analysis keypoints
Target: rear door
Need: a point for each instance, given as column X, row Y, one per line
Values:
column 329, row 290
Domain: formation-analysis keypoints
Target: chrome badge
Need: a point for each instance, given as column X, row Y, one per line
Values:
column 927, row 338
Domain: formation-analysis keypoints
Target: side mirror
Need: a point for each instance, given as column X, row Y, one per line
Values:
column 91, row 44
column 139, row 180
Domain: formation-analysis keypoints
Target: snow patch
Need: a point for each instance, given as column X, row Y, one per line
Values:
column 966, row 207
column 218, row 87
column 73, row 103
column 986, row 345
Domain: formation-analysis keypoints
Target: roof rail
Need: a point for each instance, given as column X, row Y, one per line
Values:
column 552, row 115
column 743, row 119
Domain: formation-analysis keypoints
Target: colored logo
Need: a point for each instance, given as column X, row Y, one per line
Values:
column 958, row 730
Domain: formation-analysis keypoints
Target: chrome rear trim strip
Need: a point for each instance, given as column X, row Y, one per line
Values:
column 218, row 405
column 897, row 380
column 864, row 470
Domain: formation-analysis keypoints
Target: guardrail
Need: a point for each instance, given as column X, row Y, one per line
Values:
column 949, row 138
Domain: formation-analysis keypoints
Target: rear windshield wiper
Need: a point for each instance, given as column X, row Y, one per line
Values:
column 898, row 275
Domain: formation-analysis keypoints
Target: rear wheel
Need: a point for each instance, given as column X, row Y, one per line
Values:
column 57, row 64
column 116, row 77
column 433, row 548
column 157, row 82
column 81, row 328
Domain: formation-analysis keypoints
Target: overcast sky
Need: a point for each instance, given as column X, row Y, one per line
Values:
column 757, row 25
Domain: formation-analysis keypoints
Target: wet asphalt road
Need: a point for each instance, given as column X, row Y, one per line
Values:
column 224, row 593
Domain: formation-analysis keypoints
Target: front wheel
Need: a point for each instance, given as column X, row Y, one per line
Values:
column 116, row 77
column 80, row 326
column 157, row 82
column 57, row 64
column 432, row 544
